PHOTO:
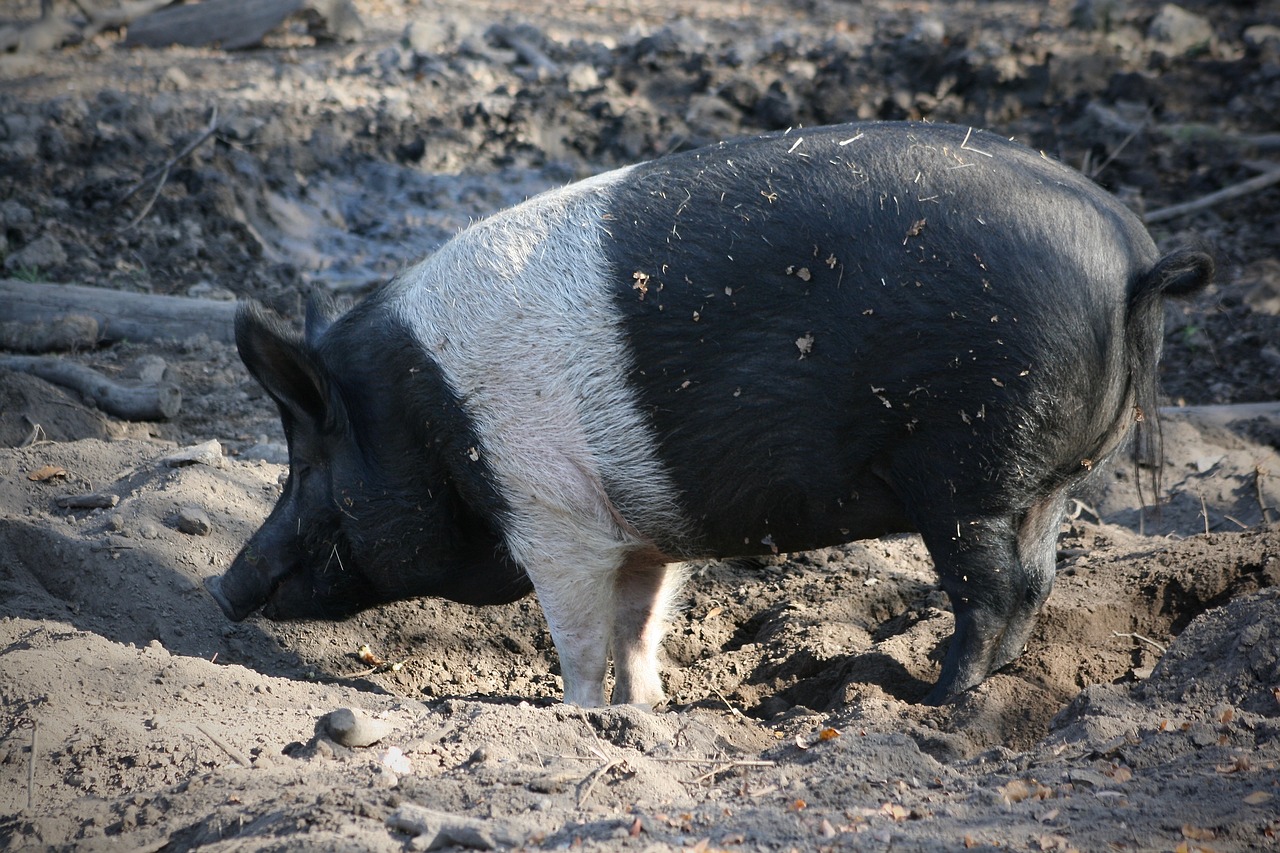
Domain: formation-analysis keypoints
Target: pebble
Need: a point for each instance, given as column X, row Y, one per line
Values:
column 1097, row 14
column 429, row 36
column 150, row 368
column 1182, row 32
column 194, row 521
column 266, row 451
column 41, row 253
column 208, row 453
column 354, row 728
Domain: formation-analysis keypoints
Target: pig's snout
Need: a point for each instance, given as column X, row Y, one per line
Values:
column 242, row 589
column 235, row 614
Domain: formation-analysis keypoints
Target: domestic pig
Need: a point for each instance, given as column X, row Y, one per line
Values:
column 769, row 345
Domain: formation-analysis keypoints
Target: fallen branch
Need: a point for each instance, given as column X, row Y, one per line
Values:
column 1206, row 133
column 442, row 829
column 525, row 49
column 237, row 24
column 1223, row 415
column 1258, row 474
column 64, row 333
column 132, row 403
column 593, row 778
column 1234, row 191
column 161, row 174
column 50, row 32
column 1141, row 639
column 221, row 744
column 120, row 315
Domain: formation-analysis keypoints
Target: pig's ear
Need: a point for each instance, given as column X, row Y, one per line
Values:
column 279, row 361
column 321, row 312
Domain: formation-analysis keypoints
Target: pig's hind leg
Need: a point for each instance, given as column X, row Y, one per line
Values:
column 643, row 590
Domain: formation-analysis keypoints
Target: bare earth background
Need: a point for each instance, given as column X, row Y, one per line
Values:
column 1145, row 714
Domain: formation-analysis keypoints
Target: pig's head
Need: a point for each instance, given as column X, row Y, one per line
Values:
column 371, row 511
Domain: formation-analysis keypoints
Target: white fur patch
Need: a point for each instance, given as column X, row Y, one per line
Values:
column 518, row 313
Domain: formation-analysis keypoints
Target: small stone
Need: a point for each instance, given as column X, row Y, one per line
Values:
column 1101, row 15
column 354, row 728
column 150, row 368
column 148, row 529
column 430, row 36
column 193, row 521
column 175, row 78
column 208, row 453
column 583, row 77
column 266, row 451
column 1180, row 31
column 41, row 253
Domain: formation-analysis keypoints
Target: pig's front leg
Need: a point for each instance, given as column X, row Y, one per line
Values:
column 643, row 591
column 576, row 593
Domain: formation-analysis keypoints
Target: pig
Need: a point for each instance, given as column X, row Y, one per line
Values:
column 768, row 345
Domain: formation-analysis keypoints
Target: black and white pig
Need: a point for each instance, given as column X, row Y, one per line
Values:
column 776, row 344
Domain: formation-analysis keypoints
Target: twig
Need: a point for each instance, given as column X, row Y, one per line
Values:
column 597, row 749
column 1141, row 638
column 1234, row 191
column 965, row 145
column 728, row 762
column 1258, row 474
column 224, row 746
column 38, row 435
column 1111, row 119
column 1204, row 512
column 1093, row 173
column 31, row 766
column 162, row 172
column 146, row 208
column 588, row 784
column 732, row 709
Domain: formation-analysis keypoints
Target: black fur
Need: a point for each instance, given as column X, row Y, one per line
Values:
column 925, row 329
column 384, row 500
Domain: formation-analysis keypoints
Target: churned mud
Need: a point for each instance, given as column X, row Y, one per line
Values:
column 1144, row 715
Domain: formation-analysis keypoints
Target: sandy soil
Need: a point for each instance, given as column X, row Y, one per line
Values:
column 1144, row 715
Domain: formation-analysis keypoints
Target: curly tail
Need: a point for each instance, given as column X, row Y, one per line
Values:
column 1179, row 274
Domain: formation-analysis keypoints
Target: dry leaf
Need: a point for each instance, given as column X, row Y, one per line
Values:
column 367, row 655
column 1257, row 798
column 1241, row 764
column 1196, row 833
column 641, row 283
column 798, row 805
column 895, row 812
column 714, row 612
column 828, row 734
column 1023, row 789
column 1120, row 774
column 47, row 473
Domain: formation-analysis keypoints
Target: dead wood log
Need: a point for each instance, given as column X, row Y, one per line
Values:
column 132, row 403
column 1223, row 415
column 120, row 315
column 51, row 32
column 64, row 333
column 236, row 24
